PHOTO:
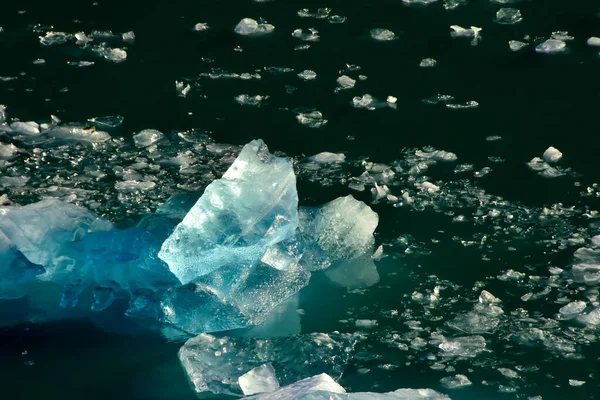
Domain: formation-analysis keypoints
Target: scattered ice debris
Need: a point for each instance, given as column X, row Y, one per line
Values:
column 516, row 45
column 594, row 41
column 508, row 16
column 472, row 32
column 312, row 119
column 248, row 100
column 311, row 36
column 365, row 323
column 81, row 64
column 383, row 34
column 455, row 382
column 251, row 27
column 572, row 310
column 467, row 105
column 214, row 364
column 439, row 98
column 30, row 128
column 307, row 75
column 551, row 46
column 337, row 19
column 454, row 4
column 368, row 102
column 259, row 380
column 344, row 82
column 427, row 63
column 418, row 2
column 147, row 137
column 217, row 73
column 321, row 13
column 78, row 132
column 201, row 27
column 542, row 165
column 53, row 38
column 182, row 88
column 464, row 347
column 562, row 35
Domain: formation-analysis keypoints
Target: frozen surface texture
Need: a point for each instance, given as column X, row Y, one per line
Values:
column 253, row 206
column 215, row 364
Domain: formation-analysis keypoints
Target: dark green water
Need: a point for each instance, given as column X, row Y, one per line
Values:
column 532, row 101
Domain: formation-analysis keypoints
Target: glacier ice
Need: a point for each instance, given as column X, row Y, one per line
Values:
column 251, row 27
column 214, row 364
column 323, row 387
column 253, row 206
column 259, row 380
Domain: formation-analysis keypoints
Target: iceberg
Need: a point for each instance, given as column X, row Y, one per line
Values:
column 323, row 387
column 252, row 207
column 215, row 364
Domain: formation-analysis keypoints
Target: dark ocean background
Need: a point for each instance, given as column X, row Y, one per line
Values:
column 530, row 100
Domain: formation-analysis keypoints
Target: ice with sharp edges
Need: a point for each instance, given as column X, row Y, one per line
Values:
column 552, row 155
column 382, row 34
column 340, row 230
column 147, row 137
column 214, row 364
column 313, row 119
column 259, row 380
column 455, row 382
column 345, row 82
column 15, row 270
column 253, row 206
column 508, row 16
column 251, row 27
column 323, row 387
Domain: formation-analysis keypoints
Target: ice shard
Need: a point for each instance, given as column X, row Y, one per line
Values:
column 215, row 364
column 253, row 206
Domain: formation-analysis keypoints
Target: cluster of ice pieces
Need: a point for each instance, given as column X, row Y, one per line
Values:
column 242, row 250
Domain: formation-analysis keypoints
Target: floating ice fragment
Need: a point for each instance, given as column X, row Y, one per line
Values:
column 107, row 122
column 30, row 128
column 248, row 100
column 576, row 383
column 467, row 105
column 345, row 82
column 115, row 55
column 561, row 35
column 455, row 382
column 307, row 75
column 182, row 89
column 427, row 63
column 317, row 387
column 429, row 187
column 327, row 157
column 311, row 36
column 313, row 119
column 134, row 186
column 78, row 132
column 516, row 45
column 439, row 98
column 459, row 31
column 7, row 151
column 368, row 102
column 337, row 19
column 552, row 155
column 594, row 41
column 201, row 27
column 508, row 16
column 52, row 38
column 551, row 46
column 357, row 273
column 418, row 2
column 80, row 64
column 250, row 27
column 572, row 309
column 147, row 137
column 321, row 13
column 382, row 34
column 466, row 346
column 39, row 61
column 214, row 364
column 453, row 4
column 365, row 323
column 253, row 206
column 259, row 380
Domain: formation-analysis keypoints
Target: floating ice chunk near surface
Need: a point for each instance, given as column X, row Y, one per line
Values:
column 215, row 364
column 307, row 75
column 253, row 206
column 311, row 36
column 427, row 63
column 147, row 137
column 323, row 387
column 594, row 41
column 516, row 45
column 313, row 119
column 551, row 46
column 552, row 155
column 201, row 27
column 508, row 16
column 382, row 34
column 345, row 82
column 79, row 133
column 327, row 157
column 259, row 380
column 251, row 27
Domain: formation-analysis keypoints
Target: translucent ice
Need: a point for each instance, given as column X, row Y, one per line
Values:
column 311, row 36
column 214, row 364
column 340, row 230
column 345, row 82
column 455, row 382
column 307, row 75
column 15, row 270
column 241, row 295
column 259, row 380
column 80, row 133
column 427, row 63
column 516, row 45
column 250, row 27
column 552, row 155
column 323, row 387
column 313, row 119
column 147, row 137
column 253, row 206
column 551, row 46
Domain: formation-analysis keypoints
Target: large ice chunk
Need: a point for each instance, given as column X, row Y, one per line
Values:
column 44, row 232
column 253, row 206
column 323, row 387
column 240, row 295
column 215, row 364
column 259, row 380
column 15, row 270
column 340, row 230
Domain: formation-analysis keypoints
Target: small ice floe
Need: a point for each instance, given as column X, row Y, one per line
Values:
column 383, row 34
column 182, row 89
column 508, row 16
column 248, row 100
column 455, row 382
column 344, row 82
column 327, row 157
column 462, row 106
column 594, row 41
column 251, row 27
column 259, row 380
column 365, row 323
column 147, row 137
column 321, row 13
column 472, row 32
column 516, row 45
column 418, row 2
column 552, row 155
column 542, row 165
column 368, row 102
column 201, row 27
column 307, row 75
column 53, row 38
column 551, row 46
column 313, row 119
column 428, row 63
column 312, row 35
